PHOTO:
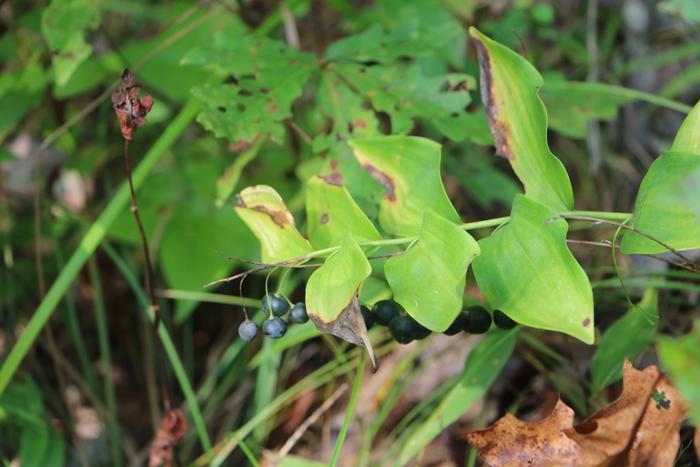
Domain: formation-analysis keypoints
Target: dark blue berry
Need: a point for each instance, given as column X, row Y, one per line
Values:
column 385, row 311
column 502, row 320
column 478, row 320
column 298, row 314
column 402, row 329
column 274, row 327
column 247, row 330
column 457, row 325
column 368, row 316
column 419, row 331
column 276, row 304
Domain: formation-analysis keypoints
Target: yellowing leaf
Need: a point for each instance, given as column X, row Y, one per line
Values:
column 439, row 258
column 264, row 212
column 408, row 168
column 518, row 121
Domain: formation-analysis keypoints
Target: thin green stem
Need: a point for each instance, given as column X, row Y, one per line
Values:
column 90, row 242
column 208, row 297
column 105, row 352
column 168, row 346
column 349, row 412
column 603, row 215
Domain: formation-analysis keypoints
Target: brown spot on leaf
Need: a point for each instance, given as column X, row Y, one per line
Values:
column 499, row 128
column 586, row 322
column 281, row 218
column 333, row 178
column 334, row 164
column 360, row 123
column 385, row 180
column 324, row 218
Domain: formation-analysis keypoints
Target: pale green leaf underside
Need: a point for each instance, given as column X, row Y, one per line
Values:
column 428, row 280
column 668, row 206
column 518, row 121
column 408, row 168
column 264, row 212
column 332, row 214
column 624, row 340
column 668, row 202
column 331, row 287
column 483, row 365
column 526, row 270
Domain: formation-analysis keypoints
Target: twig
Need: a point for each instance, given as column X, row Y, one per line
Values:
column 687, row 261
column 287, row 447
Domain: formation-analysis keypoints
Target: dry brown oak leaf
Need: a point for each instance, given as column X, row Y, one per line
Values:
column 640, row 428
column 130, row 109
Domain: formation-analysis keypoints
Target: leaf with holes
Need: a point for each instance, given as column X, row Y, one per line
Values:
column 624, row 340
column 440, row 257
column 408, row 168
column 332, row 213
column 264, row 78
column 668, row 202
column 64, row 23
column 408, row 94
column 518, row 121
column 526, row 270
column 264, row 212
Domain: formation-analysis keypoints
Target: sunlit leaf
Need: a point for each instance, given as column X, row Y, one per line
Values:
column 518, row 120
column 409, row 170
column 624, row 340
column 668, row 202
column 265, row 213
column 526, row 270
column 439, row 258
column 332, row 213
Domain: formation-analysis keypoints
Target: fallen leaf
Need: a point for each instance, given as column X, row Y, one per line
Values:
column 640, row 428
column 173, row 428
column 511, row 442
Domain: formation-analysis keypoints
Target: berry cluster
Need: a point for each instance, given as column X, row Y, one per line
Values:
column 275, row 306
column 405, row 329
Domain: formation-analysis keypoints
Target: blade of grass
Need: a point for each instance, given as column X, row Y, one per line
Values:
column 168, row 346
column 349, row 412
column 106, row 354
column 90, row 242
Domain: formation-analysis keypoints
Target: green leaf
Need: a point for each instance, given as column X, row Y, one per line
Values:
column 667, row 207
column 409, row 170
column 526, row 270
column 265, row 78
column 518, row 121
column 332, row 214
column 331, row 287
column 571, row 105
column 624, row 340
column 64, row 23
column 687, row 139
column 265, row 213
column 483, row 365
column 411, row 94
column 440, row 258
column 681, row 359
